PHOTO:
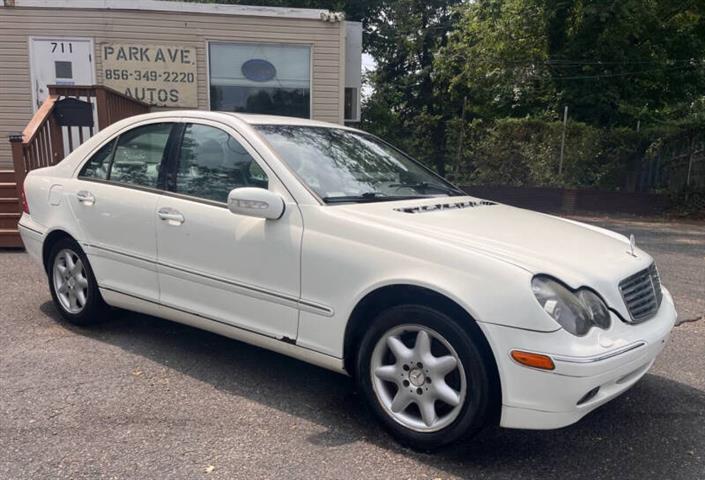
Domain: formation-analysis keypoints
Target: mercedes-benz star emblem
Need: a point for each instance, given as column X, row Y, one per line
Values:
column 417, row 377
column 632, row 245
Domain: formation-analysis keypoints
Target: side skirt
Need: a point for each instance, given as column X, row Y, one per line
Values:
column 283, row 346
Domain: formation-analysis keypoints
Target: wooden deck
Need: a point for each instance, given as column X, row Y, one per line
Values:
column 9, row 211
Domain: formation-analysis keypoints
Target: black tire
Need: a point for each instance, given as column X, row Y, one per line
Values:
column 476, row 410
column 95, row 310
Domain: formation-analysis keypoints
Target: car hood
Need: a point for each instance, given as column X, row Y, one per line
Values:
column 576, row 253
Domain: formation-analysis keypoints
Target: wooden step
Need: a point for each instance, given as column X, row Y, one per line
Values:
column 9, row 220
column 8, row 190
column 9, row 205
column 10, row 239
column 7, row 176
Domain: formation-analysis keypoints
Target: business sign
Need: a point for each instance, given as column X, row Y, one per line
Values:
column 161, row 75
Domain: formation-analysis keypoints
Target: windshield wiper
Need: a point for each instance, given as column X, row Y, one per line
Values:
column 368, row 197
column 423, row 186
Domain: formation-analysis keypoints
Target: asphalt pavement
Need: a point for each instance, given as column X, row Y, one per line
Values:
column 139, row 397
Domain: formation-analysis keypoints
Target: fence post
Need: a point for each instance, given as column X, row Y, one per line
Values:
column 461, row 136
column 565, row 125
column 56, row 137
column 101, row 103
column 18, row 162
column 569, row 198
column 691, row 146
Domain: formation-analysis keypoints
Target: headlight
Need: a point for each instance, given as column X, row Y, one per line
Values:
column 577, row 312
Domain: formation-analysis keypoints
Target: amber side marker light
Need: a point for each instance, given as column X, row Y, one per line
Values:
column 534, row 360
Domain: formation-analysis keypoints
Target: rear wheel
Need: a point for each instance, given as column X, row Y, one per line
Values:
column 424, row 376
column 72, row 284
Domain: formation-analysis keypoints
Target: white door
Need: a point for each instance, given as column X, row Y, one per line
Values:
column 114, row 200
column 60, row 61
column 227, row 268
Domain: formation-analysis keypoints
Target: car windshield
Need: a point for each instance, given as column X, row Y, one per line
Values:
column 347, row 166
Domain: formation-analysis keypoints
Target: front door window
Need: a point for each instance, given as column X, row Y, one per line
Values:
column 211, row 163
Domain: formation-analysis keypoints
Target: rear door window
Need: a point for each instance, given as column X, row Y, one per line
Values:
column 99, row 164
column 139, row 154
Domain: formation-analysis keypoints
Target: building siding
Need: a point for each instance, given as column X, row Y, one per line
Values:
column 327, row 41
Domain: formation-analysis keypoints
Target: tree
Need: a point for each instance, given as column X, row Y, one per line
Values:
column 408, row 105
column 612, row 61
column 472, row 66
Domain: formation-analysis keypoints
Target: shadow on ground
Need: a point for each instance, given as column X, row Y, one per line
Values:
column 654, row 431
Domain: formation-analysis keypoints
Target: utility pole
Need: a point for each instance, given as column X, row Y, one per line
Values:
column 461, row 137
column 565, row 125
column 691, row 147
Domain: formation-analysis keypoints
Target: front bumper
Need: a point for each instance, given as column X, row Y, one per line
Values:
column 611, row 361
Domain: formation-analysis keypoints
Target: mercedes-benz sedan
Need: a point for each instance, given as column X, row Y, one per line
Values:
column 329, row 245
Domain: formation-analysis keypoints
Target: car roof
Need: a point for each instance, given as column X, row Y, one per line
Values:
column 256, row 119
column 249, row 118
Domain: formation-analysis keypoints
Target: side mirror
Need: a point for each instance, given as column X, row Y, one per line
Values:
column 256, row 202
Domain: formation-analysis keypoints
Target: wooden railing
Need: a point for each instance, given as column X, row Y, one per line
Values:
column 111, row 105
column 42, row 144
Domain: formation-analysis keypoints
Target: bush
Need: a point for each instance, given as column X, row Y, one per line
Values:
column 527, row 152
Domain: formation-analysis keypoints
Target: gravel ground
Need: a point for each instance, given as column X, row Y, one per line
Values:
column 139, row 397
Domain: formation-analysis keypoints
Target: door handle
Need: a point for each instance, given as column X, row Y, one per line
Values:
column 171, row 216
column 85, row 197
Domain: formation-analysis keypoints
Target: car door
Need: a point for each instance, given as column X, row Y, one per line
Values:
column 228, row 268
column 114, row 201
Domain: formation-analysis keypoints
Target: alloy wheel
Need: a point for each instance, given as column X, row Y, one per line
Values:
column 70, row 281
column 418, row 378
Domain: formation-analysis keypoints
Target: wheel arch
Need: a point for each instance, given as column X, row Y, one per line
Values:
column 388, row 296
column 50, row 240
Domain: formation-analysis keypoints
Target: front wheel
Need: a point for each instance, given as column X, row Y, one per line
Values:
column 424, row 376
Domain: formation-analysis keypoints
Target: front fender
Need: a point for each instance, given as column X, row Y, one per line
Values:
column 340, row 270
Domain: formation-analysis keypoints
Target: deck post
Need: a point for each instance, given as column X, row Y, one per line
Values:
column 57, row 140
column 101, row 103
column 16, row 140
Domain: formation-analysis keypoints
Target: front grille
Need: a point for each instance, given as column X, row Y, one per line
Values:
column 642, row 294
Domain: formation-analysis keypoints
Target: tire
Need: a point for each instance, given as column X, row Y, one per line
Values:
column 413, row 376
column 76, row 295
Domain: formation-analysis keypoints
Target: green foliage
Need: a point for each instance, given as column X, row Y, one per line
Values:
column 495, row 58
column 499, row 72
column 515, row 64
column 404, row 37
column 612, row 62
column 527, row 152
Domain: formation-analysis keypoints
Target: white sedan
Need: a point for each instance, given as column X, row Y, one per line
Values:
column 329, row 245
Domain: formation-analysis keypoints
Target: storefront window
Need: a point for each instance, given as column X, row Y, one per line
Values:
column 257, row 78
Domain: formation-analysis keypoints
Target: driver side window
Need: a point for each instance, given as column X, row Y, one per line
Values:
column 211, row 163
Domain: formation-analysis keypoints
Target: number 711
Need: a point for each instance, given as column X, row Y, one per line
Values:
column 65, row 47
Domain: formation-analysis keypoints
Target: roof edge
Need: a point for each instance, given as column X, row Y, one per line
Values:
column 172, row 7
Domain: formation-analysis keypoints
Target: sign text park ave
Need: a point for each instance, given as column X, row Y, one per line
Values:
column 162, row 75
